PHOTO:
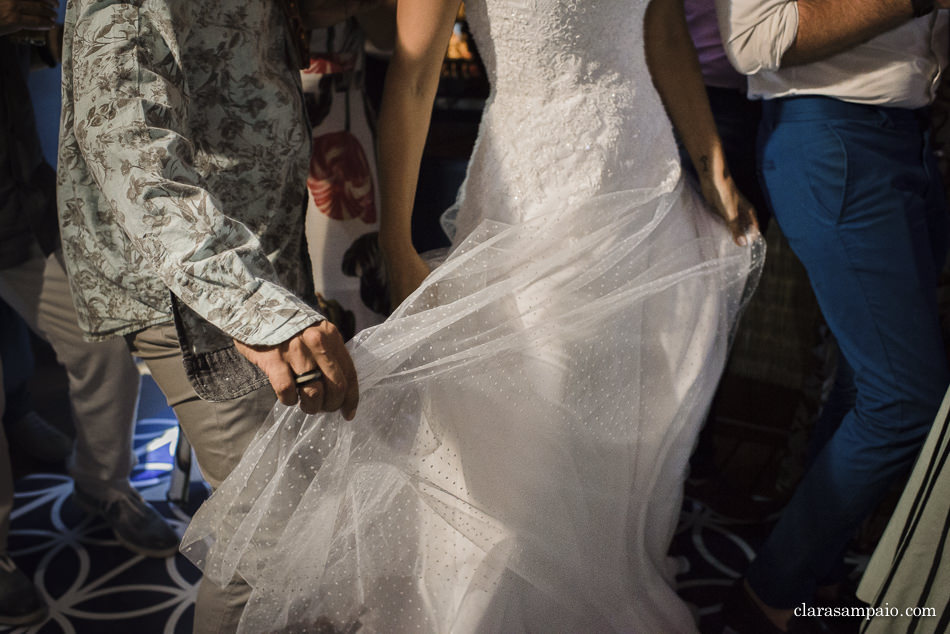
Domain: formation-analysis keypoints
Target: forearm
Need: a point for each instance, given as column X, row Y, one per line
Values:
column 765, row 35
column 403, row 125
column 674, row 68
column 411, row 83
column 829, row 27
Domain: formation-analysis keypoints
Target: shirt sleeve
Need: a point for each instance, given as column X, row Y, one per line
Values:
column 757, row 33
column 130, row 124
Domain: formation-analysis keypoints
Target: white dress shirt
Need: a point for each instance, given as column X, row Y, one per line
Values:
column 898, row 68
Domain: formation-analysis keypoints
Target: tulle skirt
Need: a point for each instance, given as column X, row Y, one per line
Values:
column 517, row 459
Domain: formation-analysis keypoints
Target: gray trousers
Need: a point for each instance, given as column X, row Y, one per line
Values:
column 219, row 434
column 103, row 383
column 103, row 386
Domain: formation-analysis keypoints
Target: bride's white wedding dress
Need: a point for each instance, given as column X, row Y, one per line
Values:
column 526, row 417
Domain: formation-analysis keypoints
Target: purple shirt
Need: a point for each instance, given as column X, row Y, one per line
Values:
column 704, row 29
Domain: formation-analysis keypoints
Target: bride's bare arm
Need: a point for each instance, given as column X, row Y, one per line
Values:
column 423, row 28
column 674, row 67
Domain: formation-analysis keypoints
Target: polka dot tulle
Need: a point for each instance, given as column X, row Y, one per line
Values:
column 526, row 416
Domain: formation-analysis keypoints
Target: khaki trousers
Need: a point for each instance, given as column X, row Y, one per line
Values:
column 103, row 383
column 219, row 434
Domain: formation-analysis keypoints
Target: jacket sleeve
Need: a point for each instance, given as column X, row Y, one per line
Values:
column 757, row 33
column 131, row 128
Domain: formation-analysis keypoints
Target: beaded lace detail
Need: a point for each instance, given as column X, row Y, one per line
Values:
column 571, row 90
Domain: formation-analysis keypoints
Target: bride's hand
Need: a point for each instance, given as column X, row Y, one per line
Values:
column 722, row 194
column 405, row 271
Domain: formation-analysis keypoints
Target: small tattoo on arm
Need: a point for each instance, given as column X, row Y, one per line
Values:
column 704, row 160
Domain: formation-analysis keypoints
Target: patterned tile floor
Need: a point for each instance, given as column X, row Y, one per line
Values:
column 95, row 586
column 92, row 584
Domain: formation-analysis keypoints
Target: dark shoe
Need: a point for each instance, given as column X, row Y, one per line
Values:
column 20, row 603
column 136, row 524
column 37, row 438
column 741, row 615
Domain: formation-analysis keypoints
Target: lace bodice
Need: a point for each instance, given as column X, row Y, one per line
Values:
column 572, row 113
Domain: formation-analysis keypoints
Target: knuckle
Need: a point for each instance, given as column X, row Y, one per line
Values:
column 282, row 386
column 295, row 345
column 314, row 339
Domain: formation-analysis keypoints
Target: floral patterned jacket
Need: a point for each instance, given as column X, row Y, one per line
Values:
column 183, row 161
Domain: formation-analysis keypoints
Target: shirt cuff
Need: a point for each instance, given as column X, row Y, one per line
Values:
column 270, row 316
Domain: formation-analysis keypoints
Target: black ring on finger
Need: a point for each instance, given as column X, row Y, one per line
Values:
column 307, row 377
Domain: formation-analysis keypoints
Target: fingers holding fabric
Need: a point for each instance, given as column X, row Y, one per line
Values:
column 339, row 381
column 744, row 227
column 729, row 203
column 313, row 369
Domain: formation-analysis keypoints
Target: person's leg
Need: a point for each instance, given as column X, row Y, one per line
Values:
column 20, row 603
column 26, row 430
column 218, row 610
column 15, row 348
column 103, row 390
column 840, row 401
column 855, row 201
column 219, row 433
column 103, row 381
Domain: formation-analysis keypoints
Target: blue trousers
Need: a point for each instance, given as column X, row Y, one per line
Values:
column 855, row 190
